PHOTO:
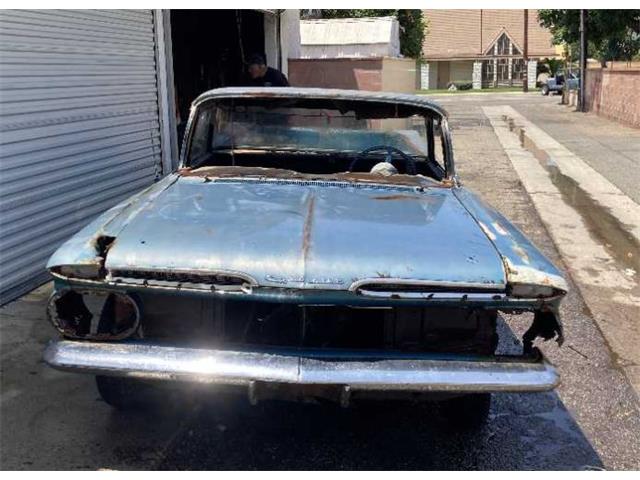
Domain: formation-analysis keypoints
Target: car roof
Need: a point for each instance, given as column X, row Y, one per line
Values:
column 322, row 93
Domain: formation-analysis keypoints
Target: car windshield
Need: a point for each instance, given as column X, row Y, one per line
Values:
column 316, row 136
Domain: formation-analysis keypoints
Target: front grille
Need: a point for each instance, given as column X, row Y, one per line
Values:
column 181, row 277
column 226, row 323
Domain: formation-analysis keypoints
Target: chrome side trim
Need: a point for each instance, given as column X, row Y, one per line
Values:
column 359, row 371
column 425, row 283
column 432, row 295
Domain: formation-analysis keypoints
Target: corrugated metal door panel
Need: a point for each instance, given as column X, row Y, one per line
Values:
column 26, row 131
column 41, row 158
column 27, row 246
column 19, row 249
column 22, row 228
column 79, row 127
column 75, row 19
column 79, row 155
column 79, row 136
column 40, row 184
column 22, row 259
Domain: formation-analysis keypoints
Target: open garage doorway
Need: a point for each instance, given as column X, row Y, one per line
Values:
column 209, row 48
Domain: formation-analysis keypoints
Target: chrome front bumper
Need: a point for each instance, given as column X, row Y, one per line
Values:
column 365, row 371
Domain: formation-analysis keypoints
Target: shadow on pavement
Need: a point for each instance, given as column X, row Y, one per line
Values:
column 525, row 431
column 55, row 420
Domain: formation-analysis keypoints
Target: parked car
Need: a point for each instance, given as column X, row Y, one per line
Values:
column 556, row 83
column 312, row 244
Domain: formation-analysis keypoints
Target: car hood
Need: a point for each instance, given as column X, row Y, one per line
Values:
column 308, row 234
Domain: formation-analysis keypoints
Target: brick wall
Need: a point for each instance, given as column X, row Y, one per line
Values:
column 614, row 94
column 468, row 33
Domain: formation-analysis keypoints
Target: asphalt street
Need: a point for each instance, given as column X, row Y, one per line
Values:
column 54, row 420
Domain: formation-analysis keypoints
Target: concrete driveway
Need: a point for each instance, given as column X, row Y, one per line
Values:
column 53, row 420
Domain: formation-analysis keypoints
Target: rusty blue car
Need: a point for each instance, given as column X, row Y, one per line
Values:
column 313, row 244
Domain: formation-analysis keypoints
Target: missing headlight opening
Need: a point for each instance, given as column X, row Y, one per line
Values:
column 94, row 315
column 546, row 325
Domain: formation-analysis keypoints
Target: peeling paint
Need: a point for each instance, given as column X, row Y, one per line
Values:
column 522, row 274
column 306, row 229
column 522, row 253
column 498, row 228
column 487, row 231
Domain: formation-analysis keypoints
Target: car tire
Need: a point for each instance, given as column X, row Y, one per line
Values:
column 468, row 412
column 545, row 90
column 125, row 393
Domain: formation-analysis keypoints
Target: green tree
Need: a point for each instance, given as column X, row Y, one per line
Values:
column 553, row 65
column 612, row 34
column 412, row 25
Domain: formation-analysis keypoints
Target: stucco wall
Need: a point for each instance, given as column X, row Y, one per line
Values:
column 376, row 74
column 399, row 75
column 358, row 74
column 614, row 94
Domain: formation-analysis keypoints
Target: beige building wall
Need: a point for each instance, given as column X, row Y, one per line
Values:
column 451, row 33
column 399, row 75
column 459, row 34
column 494, row 21
column 461, row 71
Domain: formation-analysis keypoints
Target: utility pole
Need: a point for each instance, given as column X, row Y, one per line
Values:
column 525, row 54
column 583, row 58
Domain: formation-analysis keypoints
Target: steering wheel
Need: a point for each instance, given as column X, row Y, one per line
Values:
column 411, row 164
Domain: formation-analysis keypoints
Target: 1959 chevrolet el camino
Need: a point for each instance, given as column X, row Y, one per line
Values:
column 313, row 244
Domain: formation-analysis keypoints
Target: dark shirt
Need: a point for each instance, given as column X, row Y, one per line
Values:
column 271, row 78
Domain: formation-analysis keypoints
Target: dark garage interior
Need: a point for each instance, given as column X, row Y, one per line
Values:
column 209, row 48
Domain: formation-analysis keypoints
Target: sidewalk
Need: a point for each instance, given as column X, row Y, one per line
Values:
column 612, row 149
column 594, row 225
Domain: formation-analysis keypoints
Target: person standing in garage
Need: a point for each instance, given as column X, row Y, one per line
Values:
column 263, row 75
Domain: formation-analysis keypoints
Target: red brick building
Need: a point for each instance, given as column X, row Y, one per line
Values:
column 484, row 47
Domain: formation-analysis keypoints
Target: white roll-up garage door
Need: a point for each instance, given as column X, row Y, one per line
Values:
column 79, row 128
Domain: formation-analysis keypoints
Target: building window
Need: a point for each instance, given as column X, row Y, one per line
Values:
column 503, row 67
column 503, row 45
column 518, row 70
column 487, row 73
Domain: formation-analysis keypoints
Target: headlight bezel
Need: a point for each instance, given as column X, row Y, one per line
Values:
column 84, row 271
column 70, row 323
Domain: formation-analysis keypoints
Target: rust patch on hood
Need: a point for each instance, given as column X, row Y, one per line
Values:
column 394, row 197
column 306, row 229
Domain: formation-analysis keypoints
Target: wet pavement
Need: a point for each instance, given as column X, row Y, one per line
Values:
column 594, row 225
column 53, row 420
